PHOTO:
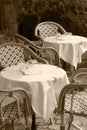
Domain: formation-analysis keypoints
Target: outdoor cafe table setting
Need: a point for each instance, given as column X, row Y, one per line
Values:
column 43, row 81
column 69, row 47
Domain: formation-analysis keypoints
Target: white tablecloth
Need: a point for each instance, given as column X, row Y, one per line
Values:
column 43, row 82
column 69, row 47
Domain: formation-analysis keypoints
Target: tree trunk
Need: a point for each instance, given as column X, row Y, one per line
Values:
column 8, row 21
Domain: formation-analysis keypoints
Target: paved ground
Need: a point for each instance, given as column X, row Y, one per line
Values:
column 41, row 125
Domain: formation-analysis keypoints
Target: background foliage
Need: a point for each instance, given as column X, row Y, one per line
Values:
column 71, row 14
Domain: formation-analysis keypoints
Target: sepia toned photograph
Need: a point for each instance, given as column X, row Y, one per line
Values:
column 43, row 64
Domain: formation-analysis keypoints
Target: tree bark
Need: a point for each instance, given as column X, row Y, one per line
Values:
column 8, row 15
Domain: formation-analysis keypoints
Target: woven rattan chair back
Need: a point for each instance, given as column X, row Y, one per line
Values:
column 15, row 109
column 48, row 28
column 72, row 102
column 14, row 53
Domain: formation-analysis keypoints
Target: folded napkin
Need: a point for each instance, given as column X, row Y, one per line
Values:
column 29, row 69
column 32, row 61
column 63, row 36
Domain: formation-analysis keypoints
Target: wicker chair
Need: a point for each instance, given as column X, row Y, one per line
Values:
column 48, row 28
column 48, row 53
column 72, row 103
column 15, row 109
column 79, row 75
column 14, row 53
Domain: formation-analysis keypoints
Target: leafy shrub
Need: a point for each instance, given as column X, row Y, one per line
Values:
column 71, row 14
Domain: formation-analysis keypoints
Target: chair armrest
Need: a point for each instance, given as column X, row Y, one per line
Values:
column 71, row 90
column 1, row 67
column 39, row 50
column 79, row 75
column 40, row 41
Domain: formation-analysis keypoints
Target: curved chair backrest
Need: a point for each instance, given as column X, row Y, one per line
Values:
column 14, row 53
column 48, row 53
column 48, row 28
column 73, row 101
column 15, row 105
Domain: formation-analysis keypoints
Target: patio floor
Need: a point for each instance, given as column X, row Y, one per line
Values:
column 41, row 125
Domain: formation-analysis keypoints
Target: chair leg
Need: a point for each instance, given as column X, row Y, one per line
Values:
column 62, row 127
column 63, row 124
column 9, row 125
column 26, row 115
column 12, row 122
column 27, row 122
column 70, row 121
column 33, row 127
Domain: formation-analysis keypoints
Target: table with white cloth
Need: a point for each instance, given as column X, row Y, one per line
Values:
column 69, row 47
column 44, row 82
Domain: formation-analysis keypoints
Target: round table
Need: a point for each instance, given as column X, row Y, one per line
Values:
column 69, row 47
column 44, row 82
